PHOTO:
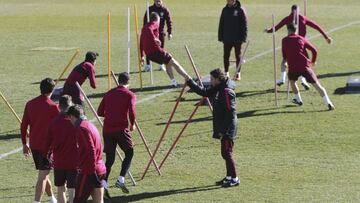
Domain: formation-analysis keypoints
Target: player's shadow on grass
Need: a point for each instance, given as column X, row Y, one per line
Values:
column 9, row 136
column 150, row 195
column 332, row 75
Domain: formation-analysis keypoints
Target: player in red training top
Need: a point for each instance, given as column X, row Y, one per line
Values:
column 61, row 142
column 165, row 17
column 92, row 169
column 150, row 45
column 294, row 56
column 84, row 70
column 38, row 114
column 303, row 22
column 118, row 109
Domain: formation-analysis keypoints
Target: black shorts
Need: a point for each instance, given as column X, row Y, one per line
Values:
column 86, row 184
column 65, row 176
column 160, row 57
column 122, row 138
column 309, row 75
column 41, row 162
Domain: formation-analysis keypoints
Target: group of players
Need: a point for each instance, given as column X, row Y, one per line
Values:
column 61, row 138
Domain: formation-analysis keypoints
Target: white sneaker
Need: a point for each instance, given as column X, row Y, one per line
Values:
column 147, row 68
column 162, row 67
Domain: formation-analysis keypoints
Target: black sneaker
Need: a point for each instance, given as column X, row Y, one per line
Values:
column 231, row 183
column 106, row 194
column 295, row 101
column 279, row 83
column 122, row 187
column 306, row 86
column 223, row 181
column 331, row 107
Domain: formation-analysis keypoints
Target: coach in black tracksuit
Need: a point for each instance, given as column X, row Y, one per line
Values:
column 232, row 32
column 224, row 119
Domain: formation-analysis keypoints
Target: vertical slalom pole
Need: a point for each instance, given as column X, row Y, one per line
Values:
column 274, row 60
column 128, row 39
column 305, row 7
column 108, row 50
column 164, row 132
column 102, row 125
column 297, row 20
column 138, row 44
column 67, row 66
column 148, row 20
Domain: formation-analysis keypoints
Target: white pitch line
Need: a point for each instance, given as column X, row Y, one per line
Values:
column 250, row 59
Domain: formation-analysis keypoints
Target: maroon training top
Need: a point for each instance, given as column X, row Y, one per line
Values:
column 294, row 52
column 117, row 105
column 149, row 33
column 61, row 141
column 303, row 22
column 90, row 149
column 79, row 74
column 38, row 114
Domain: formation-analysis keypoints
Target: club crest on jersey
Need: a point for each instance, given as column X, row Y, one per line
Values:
column 161, row 14
column 236, row 13
column 217, row 96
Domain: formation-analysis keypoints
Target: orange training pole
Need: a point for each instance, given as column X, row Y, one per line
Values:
column 67, row 66
column 109, row 51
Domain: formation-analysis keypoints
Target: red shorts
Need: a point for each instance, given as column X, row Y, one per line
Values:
column 86, row 184
column 122, row 138
column 65, row 176
column 160, row 57
column 41, row 162
column 308, row 74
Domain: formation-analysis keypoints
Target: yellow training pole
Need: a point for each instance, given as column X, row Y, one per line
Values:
column 11, row 109
column 108, row 47
column 138, row 43
column 67, row 66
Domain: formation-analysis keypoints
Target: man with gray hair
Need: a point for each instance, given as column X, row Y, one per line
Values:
column 61, row 143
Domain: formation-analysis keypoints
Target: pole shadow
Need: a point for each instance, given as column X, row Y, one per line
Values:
column 150, row 195
column 333, row 75
column 10, row 136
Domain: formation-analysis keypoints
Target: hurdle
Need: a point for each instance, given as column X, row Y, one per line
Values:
column 67, row 66
column 138, row 44
column 140, row 132
column 274, row 60
column 102, row 125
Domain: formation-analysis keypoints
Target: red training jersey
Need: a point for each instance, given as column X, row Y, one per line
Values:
column 148, row 39
column 303, row 22
column 117, row 105
column 38, row 114
column 61, row 141
column 294, row 52
column 90, row 149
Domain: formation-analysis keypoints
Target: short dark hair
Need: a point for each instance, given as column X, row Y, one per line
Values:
column 218, row 74
column 76, row 111
column 294, row 7
column 47, row 86
column 65, row 102
column 154, row 16
column 291, row 27
column 91, row 56
column 124, row 78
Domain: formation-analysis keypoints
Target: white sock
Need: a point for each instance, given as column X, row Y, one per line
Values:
column 105, row 184
column 53, row 199
column 173, row 82
column 36, row 202
column 303, row 80
column 121, row 179
column 298, row 97
column 228, row 177
column 235, row 179
column 327, row 100
column 283, row 76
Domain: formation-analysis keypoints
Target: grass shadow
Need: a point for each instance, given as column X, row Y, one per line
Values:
column 150, row 195
column 9, row 136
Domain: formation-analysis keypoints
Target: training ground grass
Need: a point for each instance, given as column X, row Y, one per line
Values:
column 285, row 154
